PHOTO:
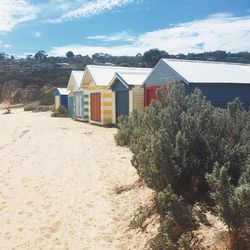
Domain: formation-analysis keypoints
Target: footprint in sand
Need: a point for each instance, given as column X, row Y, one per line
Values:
column 24, row 133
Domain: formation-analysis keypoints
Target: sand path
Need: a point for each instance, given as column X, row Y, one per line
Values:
column 57, row 179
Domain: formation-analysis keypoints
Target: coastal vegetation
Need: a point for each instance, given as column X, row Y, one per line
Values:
column 190, row 152
column 24, row 80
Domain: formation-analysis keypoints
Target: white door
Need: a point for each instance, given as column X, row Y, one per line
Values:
column 79, row 106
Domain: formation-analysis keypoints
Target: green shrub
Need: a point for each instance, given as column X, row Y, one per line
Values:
column 47, row 99
column 176, row 144
column 30, row 107
column 139, row 217
column 42, row 108
column 161, row 242
column 60, row 112
column 177, row 140
column 185, row 241
column 232, row 202
column 38, row 108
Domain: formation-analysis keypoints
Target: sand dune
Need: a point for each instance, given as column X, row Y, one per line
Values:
column 57, row 180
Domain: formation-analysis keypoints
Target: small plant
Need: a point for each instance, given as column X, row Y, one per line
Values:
column 42, row 108
column 121, row 189
column 139, row 217
column 60, row 112
column 30, row 107
column 161, row 242
column 185, row 241
column 47, row 99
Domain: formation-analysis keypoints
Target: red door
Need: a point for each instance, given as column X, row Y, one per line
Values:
column 95, row 102
column 150, row 95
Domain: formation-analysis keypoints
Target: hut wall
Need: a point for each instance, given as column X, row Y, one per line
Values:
column 100, row 107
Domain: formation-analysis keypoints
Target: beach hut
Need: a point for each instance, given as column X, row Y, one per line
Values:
column 61, row 97
column 96, row 81
column 73, row 86
column 127, row 91
column 220, row 82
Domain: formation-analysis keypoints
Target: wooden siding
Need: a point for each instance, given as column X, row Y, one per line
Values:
column 221, row 93
column 60, row 100
column 105, row 107
column 113, row 107
column 57, row 101
column 86, row 106
column 131, row 101
column 162, row 74
column 137, row 99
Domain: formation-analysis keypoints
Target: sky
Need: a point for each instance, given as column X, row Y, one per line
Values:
column 123, row 27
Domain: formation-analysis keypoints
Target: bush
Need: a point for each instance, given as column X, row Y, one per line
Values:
column 47, row 99
column 30, row 108
column 232, row 202
column 60, row 112
column 38, row 108
column 178, row 140
column 139, row 217
column 42, row 108
column 176, row 144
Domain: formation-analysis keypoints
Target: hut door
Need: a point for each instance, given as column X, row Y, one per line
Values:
column 71, row 105
column 95, row 105
column 122, row 103
column 150, row 95
column 79, row 106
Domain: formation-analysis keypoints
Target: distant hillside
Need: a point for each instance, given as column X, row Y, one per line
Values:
column 41, row 70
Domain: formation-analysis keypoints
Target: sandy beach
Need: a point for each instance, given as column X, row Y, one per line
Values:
column 57, row 180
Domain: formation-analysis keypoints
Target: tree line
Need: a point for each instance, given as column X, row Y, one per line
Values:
column 43, row 69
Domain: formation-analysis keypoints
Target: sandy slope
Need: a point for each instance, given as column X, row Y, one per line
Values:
column 57, row 179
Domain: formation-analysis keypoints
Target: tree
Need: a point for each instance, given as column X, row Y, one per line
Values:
column 41, row 55
column 70, row 54
column 152, row 57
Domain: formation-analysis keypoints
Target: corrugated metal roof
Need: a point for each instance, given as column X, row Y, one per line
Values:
column 210, row 72
column 132, row 76
column 102, row 75
column 63, row 91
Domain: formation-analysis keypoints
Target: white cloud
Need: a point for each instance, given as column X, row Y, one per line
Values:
column 122, row 36
column 4, row 45
column 217, row 32
column 13, row 12
column 38, row 34
column 90, row 8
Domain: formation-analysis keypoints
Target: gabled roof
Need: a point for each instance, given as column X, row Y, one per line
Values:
column 210, row 72
column 102, row 75
column 63, row 91
column 75, row 80
column 131, row 76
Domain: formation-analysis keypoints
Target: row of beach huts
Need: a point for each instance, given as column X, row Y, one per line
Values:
column 101, row 94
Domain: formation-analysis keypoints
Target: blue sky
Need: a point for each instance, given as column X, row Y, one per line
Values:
column 123, row 27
